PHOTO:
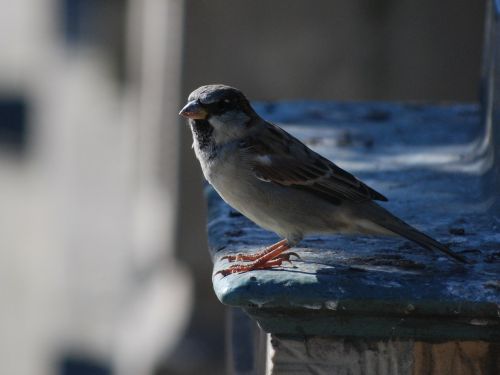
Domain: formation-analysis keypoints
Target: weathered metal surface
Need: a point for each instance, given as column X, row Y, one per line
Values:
column 420, row 157
column 321, row 355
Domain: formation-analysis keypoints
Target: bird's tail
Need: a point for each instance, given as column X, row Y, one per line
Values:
column 385, row 219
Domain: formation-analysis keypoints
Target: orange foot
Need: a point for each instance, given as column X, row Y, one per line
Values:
column 242, row 257
column 269, row 260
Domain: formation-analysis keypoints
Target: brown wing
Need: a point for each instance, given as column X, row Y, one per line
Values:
column 284, row 160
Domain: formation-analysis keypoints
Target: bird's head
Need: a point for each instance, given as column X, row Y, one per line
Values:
column 225, row 109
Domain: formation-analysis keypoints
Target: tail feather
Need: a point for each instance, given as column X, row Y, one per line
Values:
column 392, row 223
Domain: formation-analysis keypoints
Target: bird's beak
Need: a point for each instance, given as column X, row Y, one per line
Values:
column 194, row 110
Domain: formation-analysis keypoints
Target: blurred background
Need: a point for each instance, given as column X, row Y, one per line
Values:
column 104, row 267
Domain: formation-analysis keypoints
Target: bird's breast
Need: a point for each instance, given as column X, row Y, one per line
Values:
column 284, row 210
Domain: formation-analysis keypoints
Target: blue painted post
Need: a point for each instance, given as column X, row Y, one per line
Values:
column 371, row 305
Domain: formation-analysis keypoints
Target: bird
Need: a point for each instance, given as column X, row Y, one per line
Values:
column 281, row 184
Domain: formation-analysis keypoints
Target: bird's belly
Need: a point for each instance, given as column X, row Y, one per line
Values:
column 283, row 210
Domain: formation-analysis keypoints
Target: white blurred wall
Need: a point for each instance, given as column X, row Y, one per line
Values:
column 87, row 221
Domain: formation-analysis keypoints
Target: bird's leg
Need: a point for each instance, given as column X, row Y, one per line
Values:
column 270, row 259
column 251, row 257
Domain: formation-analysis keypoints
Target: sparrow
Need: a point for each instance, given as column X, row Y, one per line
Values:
column 279, row 183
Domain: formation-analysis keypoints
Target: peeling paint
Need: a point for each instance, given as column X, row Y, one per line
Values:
column 420, row 161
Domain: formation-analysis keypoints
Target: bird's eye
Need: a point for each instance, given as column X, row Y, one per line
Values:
column 225, row 104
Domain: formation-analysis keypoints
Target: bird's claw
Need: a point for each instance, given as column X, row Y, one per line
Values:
column 230, row 258
column 241, row 257
column 286, row 256
column 253, row 257
column 241, row 268
column 258, row 265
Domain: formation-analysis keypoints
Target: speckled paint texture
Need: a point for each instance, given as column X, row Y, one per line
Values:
column 422, row 157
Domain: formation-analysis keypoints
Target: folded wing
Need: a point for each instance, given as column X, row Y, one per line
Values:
column 284, row 160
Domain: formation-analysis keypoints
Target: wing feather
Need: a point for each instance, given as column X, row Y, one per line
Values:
column 289, row 162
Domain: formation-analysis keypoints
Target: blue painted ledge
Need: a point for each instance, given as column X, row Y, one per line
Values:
column 422, row 157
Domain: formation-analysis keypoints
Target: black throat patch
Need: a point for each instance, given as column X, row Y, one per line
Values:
column 203, row 136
